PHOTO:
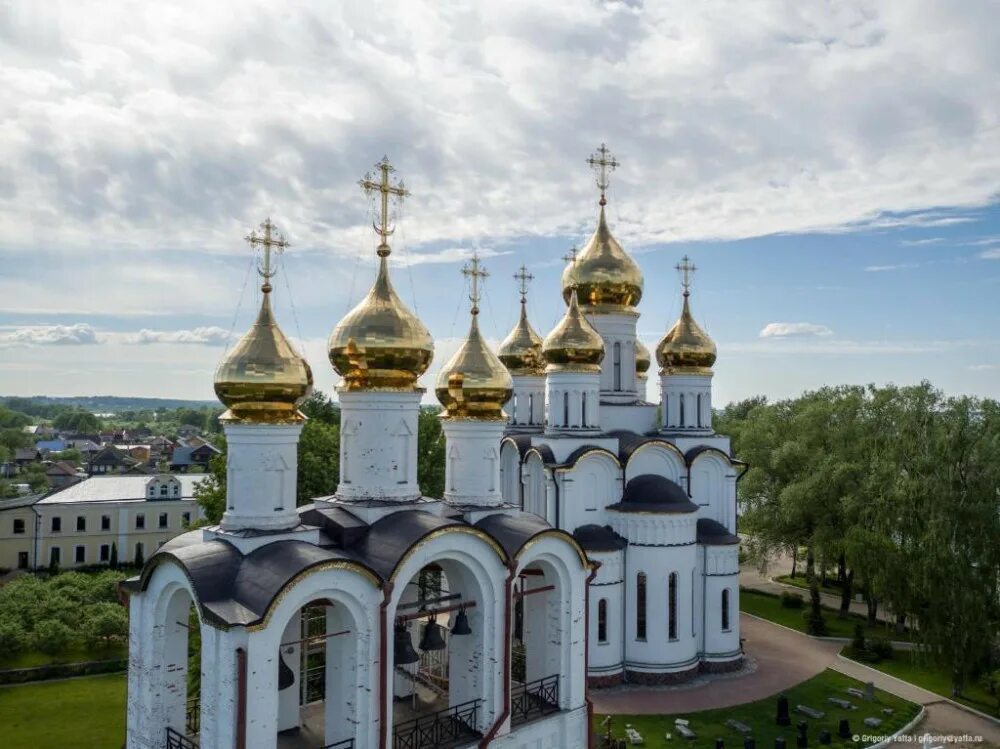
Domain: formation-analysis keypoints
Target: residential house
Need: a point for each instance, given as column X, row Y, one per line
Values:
column 51, row 446
column 186, row 458
column 109, row 460
column 25, row 456
column 17, row 532
column 62, row 473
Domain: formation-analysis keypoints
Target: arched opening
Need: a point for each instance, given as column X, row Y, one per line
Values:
column 617, row 362
column 181, row 667
column 672, row 606
column 565, row 421
column 583, row 409
column 440, row 674
column 640, row 606
column 699, row 409
column 515, row 415
column 681, row 409
column 602, row 620
column 725, row 609
column 510, row 475
column 531, row 408
column 537, row 646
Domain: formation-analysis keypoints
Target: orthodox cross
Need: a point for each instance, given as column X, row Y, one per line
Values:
column 385, row 188
column 269, row 239
column 570, row 257
column 474, row 271
column 686, row 268
column 523, row 278
column 603, row 163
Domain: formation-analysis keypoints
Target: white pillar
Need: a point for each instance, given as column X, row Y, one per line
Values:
column 378, row 445
column 526, row 407
column 617, row 328
column 220, row 684
column 262, row 474
column 694, row 416
column 564, row 392
column 472, row 468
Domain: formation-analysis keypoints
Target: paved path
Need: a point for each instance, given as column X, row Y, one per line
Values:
column 786, row 658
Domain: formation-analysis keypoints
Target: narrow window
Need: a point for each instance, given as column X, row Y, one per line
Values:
column 602, row 620
column 672, row 606
column 55, row 555
column 725, row 610
column 699, row 409
column 177, row 490
column 140, row 521
column 163, row 490
column 81, row 523
column 56, row 525
column 618, row 365
column 682, row 410
column 164, row 521
column 531, row 408
column 105, row 552
column 18, row 525
column 81, row 554
column 513, row 409
column 22, row 560
column 185, row 519
column 565, row 409
column 105, row 522
column 583, row 409
column 640, row 606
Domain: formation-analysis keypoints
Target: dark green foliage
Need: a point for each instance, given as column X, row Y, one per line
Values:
column 880, row 649
column 858, row 644
column 815, row 623
column 113, row 561
column 139, row 558
column 791, row 600
column 431, row 453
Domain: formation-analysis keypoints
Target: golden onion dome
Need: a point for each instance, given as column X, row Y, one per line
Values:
column 474, row 384
column 521, row 350
column 263, row 380
column 643, row 359
column 380, row 344
column 606, row 278
column 686, row 348
column 574, row 343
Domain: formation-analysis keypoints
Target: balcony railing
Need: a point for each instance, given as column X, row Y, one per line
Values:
column 445, row 728
column 345, row 744
column 534, row 700
column 180, row 741
column 192, row 716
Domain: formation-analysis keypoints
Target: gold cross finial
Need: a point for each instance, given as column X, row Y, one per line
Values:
column 384, row 188
column 603, row 163
column 270, row 239
column 686, row 268
column 474, row 271
column 523, row 278
column 570, row 257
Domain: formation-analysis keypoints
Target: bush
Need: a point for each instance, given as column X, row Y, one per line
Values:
column 52, row 636
column 11, row 637
column 792, row 600
column 815, row 623
column 880, row 649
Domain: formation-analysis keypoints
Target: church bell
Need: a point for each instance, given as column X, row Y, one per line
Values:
column 432, row 639
column 286, row 677
column 403, row 648
column 461, row 623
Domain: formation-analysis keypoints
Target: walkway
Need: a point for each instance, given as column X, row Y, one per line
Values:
column 785, row 658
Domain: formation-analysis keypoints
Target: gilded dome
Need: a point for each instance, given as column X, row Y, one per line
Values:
column 474, row 384
column 521, row 350
column 263, row 379
column 606, row 278
column 574, row 343
column 643, row 359
column 380, row 344
column 686, row 348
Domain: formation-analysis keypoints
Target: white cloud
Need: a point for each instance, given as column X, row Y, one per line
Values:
column 793, row 329
column 993, row 254
column 449, row 255
column 204, row 335
column 883, row 268
column 49, row 335
column 983, row 367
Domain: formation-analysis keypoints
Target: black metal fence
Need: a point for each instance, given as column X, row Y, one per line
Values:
column 179, row 741
column 192, row 716
column 345, row 744
column 454, row 725
column 534, row 699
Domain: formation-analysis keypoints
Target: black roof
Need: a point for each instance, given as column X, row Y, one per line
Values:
column 521, row 441
column 598, row 538
column 513, row 532
column 714, row 533
column 652, row 493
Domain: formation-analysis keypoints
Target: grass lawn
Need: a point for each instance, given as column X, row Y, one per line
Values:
column 32, row 658
column 710, row 724
column 908, row 667
column 799, row 581
column 88, row 712
column 769, row 607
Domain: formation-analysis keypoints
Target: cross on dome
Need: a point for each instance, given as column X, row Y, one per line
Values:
column 384, row 188
column 474, row 271
column 523, row 278
column 603, row 163
column 269, row 239
column 685, row 267
column 570, row 257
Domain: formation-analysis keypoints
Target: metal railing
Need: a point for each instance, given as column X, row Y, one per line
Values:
column 534, row 699
column 345, row 744
column 445, row 728
column 192, row 716
column 177, row 740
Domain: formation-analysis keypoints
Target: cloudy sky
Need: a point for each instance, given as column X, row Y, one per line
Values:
column 832, row 168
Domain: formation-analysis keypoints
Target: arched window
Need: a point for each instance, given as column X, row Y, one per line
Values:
column 565, row 409
column 682, row 410
column 515, row 416
column 531, row 408
column 725, row 609
column 602, row 620
column 618, row 365
column 640, row 606
column 699, row 409
column 583, row 409
column 672, row 606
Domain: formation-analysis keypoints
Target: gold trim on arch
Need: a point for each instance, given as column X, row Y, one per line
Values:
column 658, row 441
column 564, row 467
column 472, row 530
column 557, row 533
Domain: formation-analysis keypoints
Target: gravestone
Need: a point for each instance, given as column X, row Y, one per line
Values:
column 749, row 743
column 844, row 730
column 783, row 719
column 840, row 702
column 855, row 692
column 720, row 744
column 802, row 739
column 810, row 711
column 779, row 742
column 887, row 711
column 870, row 691
column 738, row 726
column 686, row 732
column 825, row 738
column 873, row 722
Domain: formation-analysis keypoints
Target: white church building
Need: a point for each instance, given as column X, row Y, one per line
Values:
column 577, row 541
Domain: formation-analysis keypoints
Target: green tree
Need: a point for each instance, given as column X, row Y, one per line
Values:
column 113, row 560
column 12, row 635
column 319, row 460
column 52, row 636
column 105, row 624
column 430, row 453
